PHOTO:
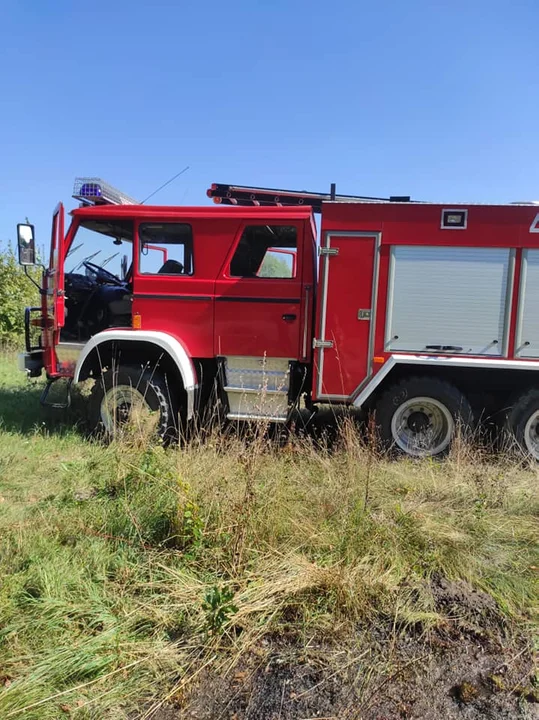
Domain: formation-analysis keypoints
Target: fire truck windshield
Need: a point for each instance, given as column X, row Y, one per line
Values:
column 100, row 243
column 97, row 281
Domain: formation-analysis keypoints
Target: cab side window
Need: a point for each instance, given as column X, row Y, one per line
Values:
column 166, row 249
column 266, row 251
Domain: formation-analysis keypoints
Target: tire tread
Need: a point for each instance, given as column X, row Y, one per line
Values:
column 416, row 386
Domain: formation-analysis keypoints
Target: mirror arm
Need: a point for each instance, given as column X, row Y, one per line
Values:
column 32, row 279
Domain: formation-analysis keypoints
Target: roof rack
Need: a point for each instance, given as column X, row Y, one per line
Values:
column 94, row 191
column 246, row 195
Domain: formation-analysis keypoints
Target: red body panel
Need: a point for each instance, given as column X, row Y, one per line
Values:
column 402, row 224
column 183, row 305
column 260, row 316
column 347, row 363
column 53, row 302
column 213, row 314
column 249, row 321
column 515, row 302
column 209, row 312
column 419, row 223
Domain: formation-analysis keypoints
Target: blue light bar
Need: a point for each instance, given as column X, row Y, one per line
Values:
column 91, row 190
column 94, row 191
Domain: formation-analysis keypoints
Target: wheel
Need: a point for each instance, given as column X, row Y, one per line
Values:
column 418, row 416
column 523, row 423
column 130, row 395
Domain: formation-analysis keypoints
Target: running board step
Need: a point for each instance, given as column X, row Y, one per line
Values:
column 257, row 418
column 257, row 388
column 253, row 391
column 44, row 399
column 251, row 404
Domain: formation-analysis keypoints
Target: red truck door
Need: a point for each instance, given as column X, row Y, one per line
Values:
column 56, row 267
column 172, row 286
column 345, row 313
column 54, row 300
column 259, row 296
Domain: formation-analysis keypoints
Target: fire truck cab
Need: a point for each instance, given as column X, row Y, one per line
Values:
column 422, row 314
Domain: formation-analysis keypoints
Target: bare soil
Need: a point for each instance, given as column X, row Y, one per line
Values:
column 470, row 667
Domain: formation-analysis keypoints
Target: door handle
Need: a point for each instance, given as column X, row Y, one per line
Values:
column 444, row 348
column 289, row 317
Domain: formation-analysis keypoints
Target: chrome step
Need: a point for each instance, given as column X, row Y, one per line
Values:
column 257, row 418
column 257, row 388
column 252, row 391
column 249, row 404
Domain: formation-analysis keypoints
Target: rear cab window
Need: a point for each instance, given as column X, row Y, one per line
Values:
column 166, row 248
column 266, row 251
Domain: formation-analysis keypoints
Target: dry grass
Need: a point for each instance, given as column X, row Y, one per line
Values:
column 127, row 569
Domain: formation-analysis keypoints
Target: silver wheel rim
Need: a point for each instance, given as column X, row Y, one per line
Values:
column 122, row 399
column 422, row 427
column 531, row 435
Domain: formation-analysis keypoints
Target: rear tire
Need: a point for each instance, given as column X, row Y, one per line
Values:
column 523, row 423
column 131, row 394
column 419, row 416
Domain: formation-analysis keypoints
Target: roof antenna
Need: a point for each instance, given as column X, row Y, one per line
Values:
column 165, row 184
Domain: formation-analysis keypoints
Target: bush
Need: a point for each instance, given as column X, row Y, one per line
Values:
column 16, row 293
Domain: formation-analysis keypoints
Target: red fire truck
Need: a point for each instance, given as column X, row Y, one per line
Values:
column 423, row 315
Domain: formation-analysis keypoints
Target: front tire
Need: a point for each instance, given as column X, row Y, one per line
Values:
column 523, row 423
column 419, row 416
column 129, row 396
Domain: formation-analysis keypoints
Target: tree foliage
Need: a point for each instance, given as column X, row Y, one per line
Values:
column 274, row 267
column 16, row 293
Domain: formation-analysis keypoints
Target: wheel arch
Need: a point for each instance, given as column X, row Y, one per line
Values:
column 147, row 347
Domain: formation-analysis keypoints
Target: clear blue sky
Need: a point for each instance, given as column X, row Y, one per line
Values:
column 437, row 99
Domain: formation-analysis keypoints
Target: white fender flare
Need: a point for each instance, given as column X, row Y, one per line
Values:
column 445, row 361
column 167, row 343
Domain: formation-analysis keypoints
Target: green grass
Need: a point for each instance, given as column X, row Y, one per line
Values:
column 125, row 569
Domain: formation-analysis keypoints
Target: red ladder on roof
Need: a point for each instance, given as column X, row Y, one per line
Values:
column 246, row 195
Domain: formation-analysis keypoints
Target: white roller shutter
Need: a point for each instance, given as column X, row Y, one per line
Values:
column 452, row 297
column 527, row 339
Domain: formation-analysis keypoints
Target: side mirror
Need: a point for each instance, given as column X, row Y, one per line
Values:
column 26, row 244
column 124, row 266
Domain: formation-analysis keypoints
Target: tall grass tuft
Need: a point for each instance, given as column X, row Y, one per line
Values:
column 127, row 568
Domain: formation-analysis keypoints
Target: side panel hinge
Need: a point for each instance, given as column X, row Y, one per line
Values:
column 322, row 344
column 328, row 251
